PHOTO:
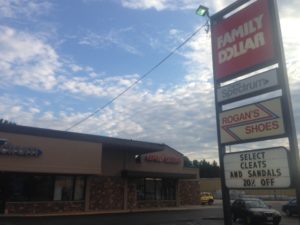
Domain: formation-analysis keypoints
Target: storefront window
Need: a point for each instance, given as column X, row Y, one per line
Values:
column 68, row 188
column 150, row 189
column 63, row 189
column 30, row 187
column 156, row 189
column 41, row 188
column 18, row 189
column 169, row 189
column 140, row 189
column 79, row 188
column 25, row 187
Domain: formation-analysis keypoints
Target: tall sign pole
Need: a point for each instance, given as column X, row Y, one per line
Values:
column 225, row 190
column 287, row 104
column 246, row 40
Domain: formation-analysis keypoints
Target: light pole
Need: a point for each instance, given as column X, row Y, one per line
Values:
column 204, row 11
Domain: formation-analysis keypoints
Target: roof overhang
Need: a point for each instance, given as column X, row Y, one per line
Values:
column 132, row 146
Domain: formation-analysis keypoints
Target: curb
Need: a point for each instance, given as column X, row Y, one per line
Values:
column 91, row 213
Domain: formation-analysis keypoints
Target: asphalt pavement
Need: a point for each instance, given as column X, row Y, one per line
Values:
column 187, row 215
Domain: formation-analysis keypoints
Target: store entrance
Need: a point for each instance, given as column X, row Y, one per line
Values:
column 2, row 201
column 3, row 183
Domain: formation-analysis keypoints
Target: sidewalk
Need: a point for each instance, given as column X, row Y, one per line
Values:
column 217, row 204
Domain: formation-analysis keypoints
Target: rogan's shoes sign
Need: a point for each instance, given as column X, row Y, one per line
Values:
column 252, row 122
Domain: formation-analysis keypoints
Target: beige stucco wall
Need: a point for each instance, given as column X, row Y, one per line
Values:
column 58, row 155
column 113, row 162
column 210, row 184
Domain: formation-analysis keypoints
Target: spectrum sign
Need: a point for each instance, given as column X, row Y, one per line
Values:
column 243, row 42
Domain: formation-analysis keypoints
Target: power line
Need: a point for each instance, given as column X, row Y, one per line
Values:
column 141, row 78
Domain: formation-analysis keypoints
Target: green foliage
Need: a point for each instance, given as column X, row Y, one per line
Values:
column 187, row 162
column 6, row 122
column 206, row 169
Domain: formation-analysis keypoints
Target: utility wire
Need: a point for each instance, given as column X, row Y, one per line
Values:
column 141, row 78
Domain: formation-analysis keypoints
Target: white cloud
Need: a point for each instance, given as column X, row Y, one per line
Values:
column 75, row 68
column 292, row 49
column 105, row 87
column 114, row 38
column 182, row 116
column 26, row 60
column 145, row 4
column 161, row 5
column 23, row 8
column 32, row 63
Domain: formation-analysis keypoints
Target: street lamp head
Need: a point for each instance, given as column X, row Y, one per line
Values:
column 202, row 11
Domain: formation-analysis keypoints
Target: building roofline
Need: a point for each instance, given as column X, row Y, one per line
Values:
column 119, row 143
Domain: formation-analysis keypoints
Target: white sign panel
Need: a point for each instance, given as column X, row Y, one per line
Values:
column 251, row 122
column 248, row 86
column 264, row 168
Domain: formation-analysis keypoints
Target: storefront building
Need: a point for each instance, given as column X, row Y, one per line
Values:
column 49, row 171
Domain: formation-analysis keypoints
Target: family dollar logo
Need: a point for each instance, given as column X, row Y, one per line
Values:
column 243, row 41
column 255, row 39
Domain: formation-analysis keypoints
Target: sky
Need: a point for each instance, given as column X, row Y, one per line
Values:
column 62, row 60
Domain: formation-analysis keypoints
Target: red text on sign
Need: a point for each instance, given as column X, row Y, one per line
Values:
column 262, row 127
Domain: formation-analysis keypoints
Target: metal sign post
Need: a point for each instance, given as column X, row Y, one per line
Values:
column 287, row 104
column 245, row 42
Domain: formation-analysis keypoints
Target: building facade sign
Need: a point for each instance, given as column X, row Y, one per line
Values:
column 242, row 41
column 264, row 168
column 249, row 86
column 9, row 149
column 252, row 122
column 162, row 158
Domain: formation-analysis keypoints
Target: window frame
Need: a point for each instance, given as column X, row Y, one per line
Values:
column 29, row 177
column 73, row 187
column 165, row 185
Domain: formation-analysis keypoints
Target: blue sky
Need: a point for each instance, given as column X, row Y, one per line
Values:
column 62, row 60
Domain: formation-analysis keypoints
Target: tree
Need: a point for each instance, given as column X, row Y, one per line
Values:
column 6, row 122
column 195, row 163
column 216, row 169
column 187, row 162
column 206, row 169
column 209, row 170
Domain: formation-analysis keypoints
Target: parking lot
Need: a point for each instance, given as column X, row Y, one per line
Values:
column 188, row 215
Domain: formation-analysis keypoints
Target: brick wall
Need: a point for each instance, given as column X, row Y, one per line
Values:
column 132, row 198
column 106, row 193
column 43, row 207
column 189, row 192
